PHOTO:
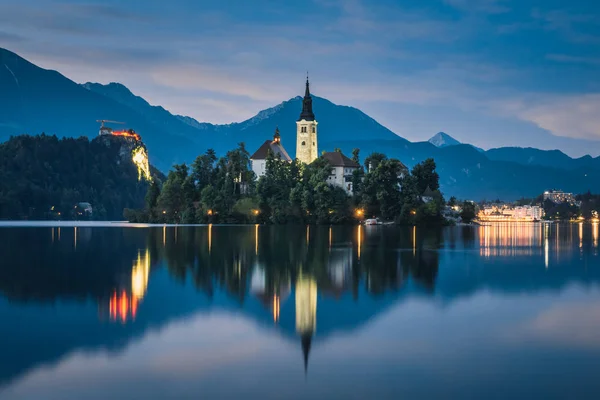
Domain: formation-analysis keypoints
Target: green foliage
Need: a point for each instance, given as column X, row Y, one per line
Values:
column 43, row 177
column 426, row 176
column 468, row 212
column 225, row 190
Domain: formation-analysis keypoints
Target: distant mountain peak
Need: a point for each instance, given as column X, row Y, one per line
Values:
column 442, row 139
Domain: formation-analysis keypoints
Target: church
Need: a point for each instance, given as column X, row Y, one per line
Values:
column 306, row 148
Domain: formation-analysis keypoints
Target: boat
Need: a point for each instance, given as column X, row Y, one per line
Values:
column 372, row 221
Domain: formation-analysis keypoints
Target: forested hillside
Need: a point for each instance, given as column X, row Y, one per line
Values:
column 44, row 177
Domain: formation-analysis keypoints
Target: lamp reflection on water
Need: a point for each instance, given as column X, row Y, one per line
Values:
column 359, row 239
column 510, row 239
column 546, row 246
column 209, row 238
column 256, row 239
column 139, row 275
column 123, row 304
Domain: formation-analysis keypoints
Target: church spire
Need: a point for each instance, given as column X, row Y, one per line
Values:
column 306, row 340
column 307, row 112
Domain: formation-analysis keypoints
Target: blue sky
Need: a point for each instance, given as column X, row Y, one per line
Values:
column 489, row 72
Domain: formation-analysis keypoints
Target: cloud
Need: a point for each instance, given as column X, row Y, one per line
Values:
column 563, row 58
column 571, row 116
column 485, row 6
column 571, row 325
column 10, row 38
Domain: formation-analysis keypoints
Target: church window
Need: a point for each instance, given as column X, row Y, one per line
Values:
column 314, row 129
column 303, row 143
column 313, row 143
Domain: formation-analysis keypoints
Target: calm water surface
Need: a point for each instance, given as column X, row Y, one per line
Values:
column 505, row 311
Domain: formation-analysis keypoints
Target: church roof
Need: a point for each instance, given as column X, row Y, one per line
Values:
column 428, row 192
column 337, row 159
column 307, row 111
column 275, row 147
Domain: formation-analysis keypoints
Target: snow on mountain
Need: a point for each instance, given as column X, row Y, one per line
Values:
column 442, row 139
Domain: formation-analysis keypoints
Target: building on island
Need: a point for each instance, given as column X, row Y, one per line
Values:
column 342, row 169
column 258, row 160
column 306, row 130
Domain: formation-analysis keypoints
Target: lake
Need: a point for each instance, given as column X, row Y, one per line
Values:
column 100, row 311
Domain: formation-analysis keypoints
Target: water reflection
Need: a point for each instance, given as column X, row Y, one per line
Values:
column 306, row 284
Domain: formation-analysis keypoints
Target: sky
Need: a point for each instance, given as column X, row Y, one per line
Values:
column 488, row 72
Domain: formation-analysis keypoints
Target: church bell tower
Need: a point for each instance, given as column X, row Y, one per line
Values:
column 306, row 130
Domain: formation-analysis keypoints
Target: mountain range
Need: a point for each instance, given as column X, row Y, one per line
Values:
column 34, row 100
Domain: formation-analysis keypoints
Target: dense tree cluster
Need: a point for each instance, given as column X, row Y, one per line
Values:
column 43, row 177
column 225, row 190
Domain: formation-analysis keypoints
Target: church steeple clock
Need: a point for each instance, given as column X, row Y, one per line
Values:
column 306, row 130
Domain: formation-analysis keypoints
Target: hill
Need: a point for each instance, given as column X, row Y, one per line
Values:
column 547, row 158
column 35, row 100
column 336, row 123
column 44, row 177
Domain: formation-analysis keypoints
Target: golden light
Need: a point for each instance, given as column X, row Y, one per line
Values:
column 209, row 238
column 360, row 212
column 359, row 239
column 256, row 212
column 121, row 307
column 129, row 134
column 276, row 307
column 413, row 212
column 164, row 211
column 140, row 159
column 256, row 239
column 140, row 274
column 209, row 212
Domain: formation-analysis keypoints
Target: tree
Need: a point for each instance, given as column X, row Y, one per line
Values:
column 203, row 170
column 357, row 179
column 426, row 176
column 372, row 161
column 381, row 187
column 468, row 213
column 452, row 202
column 174, row 197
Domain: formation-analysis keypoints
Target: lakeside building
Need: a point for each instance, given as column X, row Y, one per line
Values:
column 258, row 160
column 342, row 170
column 559, row 197
column 506, row 213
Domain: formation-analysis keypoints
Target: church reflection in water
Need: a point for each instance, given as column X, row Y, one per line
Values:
column 307, row 283
column 290, row 271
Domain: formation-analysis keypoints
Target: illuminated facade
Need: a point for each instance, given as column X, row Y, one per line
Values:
column 306, row 131
column 505, row 213
column 258, row 160
column 558, row 197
